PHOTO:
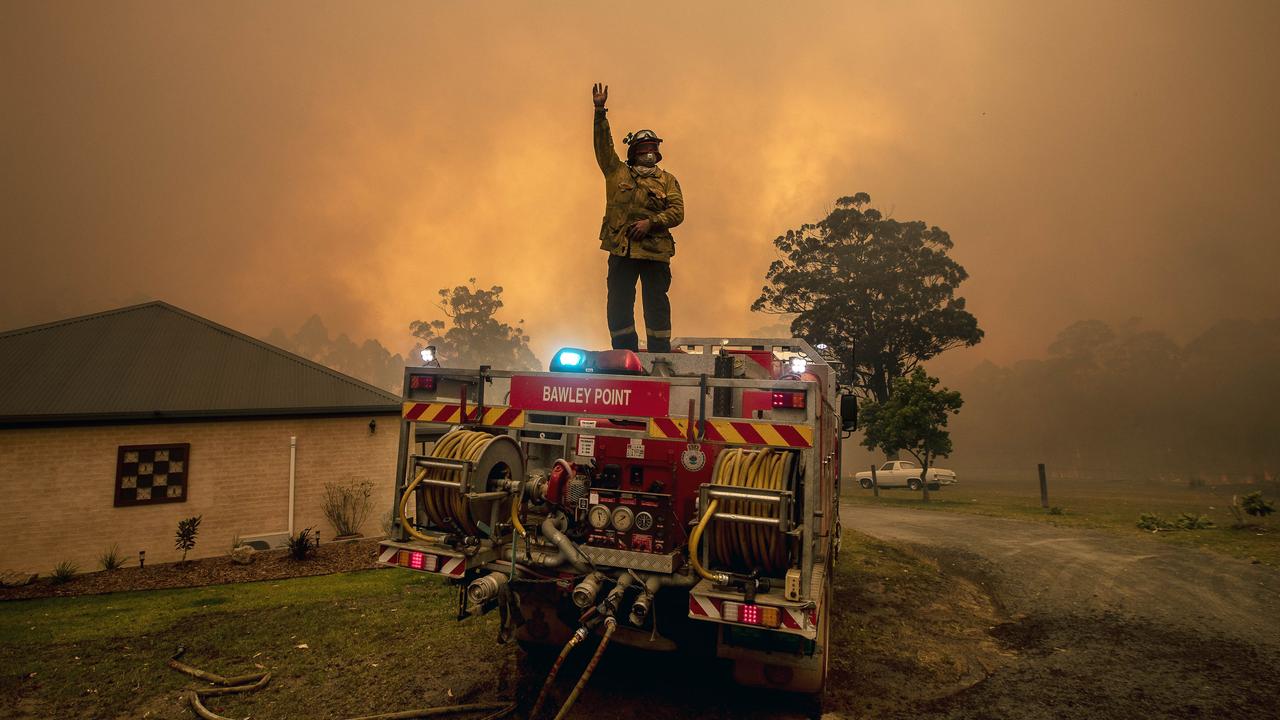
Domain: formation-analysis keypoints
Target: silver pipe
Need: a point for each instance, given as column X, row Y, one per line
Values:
column 444, row 464
column 614, row 599
column 734, row 495
column 442, row 483
column 585, row 594
column 568, row 551
column 486, row 587
column 748, row 519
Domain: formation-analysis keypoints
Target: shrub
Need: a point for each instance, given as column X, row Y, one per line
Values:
column 1057, row 510
column 1256, row 506
column 1185, row 521
column 1154, row 523
column 188, row 529
column 111, row 559
column 64, row 571
column 347, row 505
column 1193, row 521
column 303, row 545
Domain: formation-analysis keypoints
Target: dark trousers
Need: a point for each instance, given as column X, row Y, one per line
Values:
column 655, row 280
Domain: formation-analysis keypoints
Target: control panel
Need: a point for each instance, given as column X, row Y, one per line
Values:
column 635, row 521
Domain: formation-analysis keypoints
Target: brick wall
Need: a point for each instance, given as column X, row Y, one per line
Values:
column 58, row 486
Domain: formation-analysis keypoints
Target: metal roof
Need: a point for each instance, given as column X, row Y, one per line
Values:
column 155, row 361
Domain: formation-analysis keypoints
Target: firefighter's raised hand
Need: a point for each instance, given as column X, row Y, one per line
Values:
column 639, row 229
column 599, row 94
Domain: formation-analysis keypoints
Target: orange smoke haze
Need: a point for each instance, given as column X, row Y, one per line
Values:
column 258, row 163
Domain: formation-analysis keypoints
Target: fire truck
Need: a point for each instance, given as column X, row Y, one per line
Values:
column 683, row 501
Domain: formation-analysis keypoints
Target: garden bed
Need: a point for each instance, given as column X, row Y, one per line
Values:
column 271, row 565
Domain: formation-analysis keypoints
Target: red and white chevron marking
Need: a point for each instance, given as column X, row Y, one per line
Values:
column 709, row 608
column 454, row 567
column 425, row 562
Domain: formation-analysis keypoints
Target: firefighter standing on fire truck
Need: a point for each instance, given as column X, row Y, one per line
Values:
column 642, row 203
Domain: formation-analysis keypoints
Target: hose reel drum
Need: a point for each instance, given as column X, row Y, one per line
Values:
column 459, row 485
column 754, row 490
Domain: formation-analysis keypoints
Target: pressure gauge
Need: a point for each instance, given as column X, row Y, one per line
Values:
column 644, row 522
column 622, row 519
column 598, row 516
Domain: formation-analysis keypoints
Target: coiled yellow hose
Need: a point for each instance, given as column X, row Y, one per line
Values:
column 445, row 503
column 745, row 545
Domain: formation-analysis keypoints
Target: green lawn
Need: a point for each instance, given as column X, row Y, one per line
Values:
column 375, row 641
column 1114, row 508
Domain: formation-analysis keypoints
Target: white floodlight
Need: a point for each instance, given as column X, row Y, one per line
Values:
column 798, row 365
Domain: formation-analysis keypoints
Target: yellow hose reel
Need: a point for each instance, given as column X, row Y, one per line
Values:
column 458, row 483
column 738, row 544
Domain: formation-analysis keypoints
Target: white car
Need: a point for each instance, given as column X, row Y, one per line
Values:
column 903, row 473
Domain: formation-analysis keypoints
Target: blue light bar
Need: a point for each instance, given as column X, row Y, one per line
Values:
column 574, row 360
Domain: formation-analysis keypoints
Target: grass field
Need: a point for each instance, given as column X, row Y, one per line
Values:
column 384, row 640
column 1114, row 507
column 339, row 645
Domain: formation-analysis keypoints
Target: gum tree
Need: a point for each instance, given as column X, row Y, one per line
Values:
column 473, row 336
column 914, row 420
column 873, row 288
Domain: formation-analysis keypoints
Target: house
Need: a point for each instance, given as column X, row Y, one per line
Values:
column 115, row 426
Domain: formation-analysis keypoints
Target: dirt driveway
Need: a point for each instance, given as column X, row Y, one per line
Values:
column 1101, row 626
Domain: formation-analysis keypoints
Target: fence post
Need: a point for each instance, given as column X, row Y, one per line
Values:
column 875, row 482
column 1044, row 488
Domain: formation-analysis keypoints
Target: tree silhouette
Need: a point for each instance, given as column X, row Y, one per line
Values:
column 870, row 287
column 473, row 336
column 368, row 361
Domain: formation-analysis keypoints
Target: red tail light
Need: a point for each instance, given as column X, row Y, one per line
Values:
column 415, row 560
column 422, row 382
column 788, row 399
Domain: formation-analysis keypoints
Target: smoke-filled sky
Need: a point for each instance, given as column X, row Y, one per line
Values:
column 258, row 163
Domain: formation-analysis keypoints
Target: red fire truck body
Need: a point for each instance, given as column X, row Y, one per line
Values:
column 680, row 501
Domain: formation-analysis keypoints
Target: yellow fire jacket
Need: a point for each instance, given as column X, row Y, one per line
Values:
column 629, row 197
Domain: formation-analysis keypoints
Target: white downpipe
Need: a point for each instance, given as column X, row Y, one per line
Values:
column 293, row 465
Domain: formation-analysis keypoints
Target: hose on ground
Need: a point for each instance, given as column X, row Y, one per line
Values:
column 610, row 624
column 578, row 636
column 445, row 506
column 256, row 681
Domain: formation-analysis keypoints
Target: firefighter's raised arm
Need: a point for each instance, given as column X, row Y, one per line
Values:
column 606, row 156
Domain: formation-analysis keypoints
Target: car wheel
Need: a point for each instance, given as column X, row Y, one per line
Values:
column 913, row 484
column 865, row 483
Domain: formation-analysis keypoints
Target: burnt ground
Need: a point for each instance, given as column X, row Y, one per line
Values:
column 1095, row 625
